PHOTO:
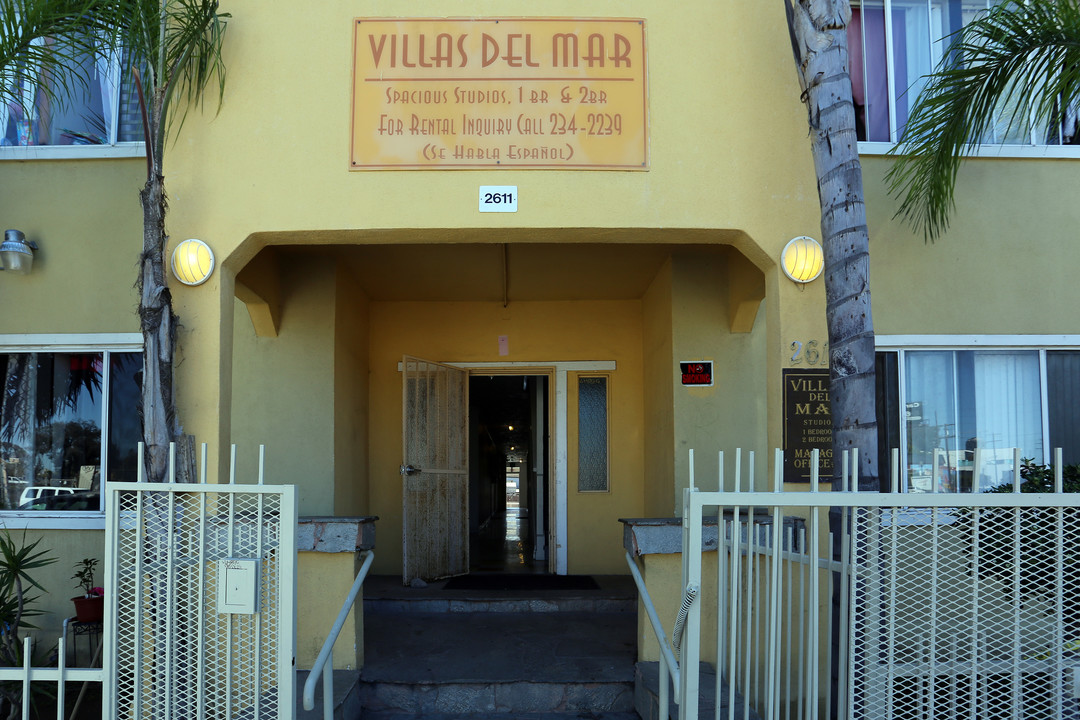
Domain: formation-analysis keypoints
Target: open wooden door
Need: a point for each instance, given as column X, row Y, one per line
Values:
column 435, row 470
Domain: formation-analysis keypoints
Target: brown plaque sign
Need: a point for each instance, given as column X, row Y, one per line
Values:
column 441, row 93
column 807, row 424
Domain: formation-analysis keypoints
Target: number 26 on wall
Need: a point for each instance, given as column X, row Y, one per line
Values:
column 810, row 354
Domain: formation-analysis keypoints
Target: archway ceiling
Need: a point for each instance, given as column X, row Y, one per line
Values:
column 535, row 272
column 491, row 272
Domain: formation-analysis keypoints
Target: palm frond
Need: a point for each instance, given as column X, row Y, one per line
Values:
column 44, row 44
column 177, row 46
column 1018, row 61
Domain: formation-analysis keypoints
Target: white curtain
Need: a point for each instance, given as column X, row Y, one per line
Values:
column 108, row 72
column 1008, row 412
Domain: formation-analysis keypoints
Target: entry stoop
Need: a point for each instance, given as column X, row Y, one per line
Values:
column 455, row 654
column 346, row 696
column 647, row 695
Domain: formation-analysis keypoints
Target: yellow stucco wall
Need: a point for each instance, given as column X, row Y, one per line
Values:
column 701, row 173
column 351, row 419
column 85, row 218
column 323, row 582
column 658, row 394
column 746, row 173
column 284, row 387
column 730, row 414
column 1006, row 266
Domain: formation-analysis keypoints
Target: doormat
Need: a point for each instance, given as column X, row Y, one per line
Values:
column 521, row 582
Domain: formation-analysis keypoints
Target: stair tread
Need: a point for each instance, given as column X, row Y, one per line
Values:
column 345, row 693
column 569, row 647
column 579, row 715
column 646, row 694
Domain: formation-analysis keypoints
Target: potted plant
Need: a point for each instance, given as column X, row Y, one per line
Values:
column 90, row 606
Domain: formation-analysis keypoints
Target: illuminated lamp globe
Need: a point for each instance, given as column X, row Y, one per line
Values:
column 192, row 262
column 802, row 259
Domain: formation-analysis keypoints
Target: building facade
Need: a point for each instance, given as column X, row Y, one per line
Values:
column 631, row 307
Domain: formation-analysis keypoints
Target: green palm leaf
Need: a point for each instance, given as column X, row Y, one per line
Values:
column 176, row 46
column 1016, row 63
column 49, row 39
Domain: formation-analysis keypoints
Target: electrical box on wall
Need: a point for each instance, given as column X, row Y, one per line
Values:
column 238, row 586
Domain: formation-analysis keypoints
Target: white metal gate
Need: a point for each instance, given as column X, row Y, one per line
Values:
column 201, row 622
column 939, row 605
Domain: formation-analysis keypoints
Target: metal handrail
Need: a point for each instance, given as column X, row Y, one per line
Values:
column 669, row 666
column 319, row 667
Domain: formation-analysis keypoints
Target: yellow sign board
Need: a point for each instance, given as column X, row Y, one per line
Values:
column 555, row 93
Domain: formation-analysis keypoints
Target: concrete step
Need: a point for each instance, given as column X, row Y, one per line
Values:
column 385, row 594
column 346, row 696
column 502, row 716
column 647, row 695
column 495, row 663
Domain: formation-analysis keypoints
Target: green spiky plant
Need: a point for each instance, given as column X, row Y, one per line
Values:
column 1017, row 64
column 17, row 561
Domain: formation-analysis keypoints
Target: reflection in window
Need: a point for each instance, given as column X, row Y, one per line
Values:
column 592, row 434
column 895, row 44
column 52, row 418
column 101, row 109
column 966, row 411
column 962, row 412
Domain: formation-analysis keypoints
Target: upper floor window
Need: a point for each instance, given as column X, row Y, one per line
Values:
column 895, row 44
column 68, row 421
column 98, row 114
column 956, row 413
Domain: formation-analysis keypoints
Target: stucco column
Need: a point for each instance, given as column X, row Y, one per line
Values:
column 203, row 369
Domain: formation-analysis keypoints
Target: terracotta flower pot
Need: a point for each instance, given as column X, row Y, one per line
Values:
column 89, row 609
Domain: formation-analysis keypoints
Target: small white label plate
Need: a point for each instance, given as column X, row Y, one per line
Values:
column 498, row 198
column 238, row 586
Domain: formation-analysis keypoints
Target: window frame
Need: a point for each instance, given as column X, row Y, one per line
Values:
column 1041, row 344
column 104, row 343
column 989, row 150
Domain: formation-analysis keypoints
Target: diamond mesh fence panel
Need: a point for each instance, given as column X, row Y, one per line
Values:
column 968, row 612
column 886, row 606
column 176, row 652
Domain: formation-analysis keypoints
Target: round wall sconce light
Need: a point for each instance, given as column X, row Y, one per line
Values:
column 802, row 259
column 192, row 262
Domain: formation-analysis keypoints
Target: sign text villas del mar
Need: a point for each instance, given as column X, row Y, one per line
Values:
column 493, row 92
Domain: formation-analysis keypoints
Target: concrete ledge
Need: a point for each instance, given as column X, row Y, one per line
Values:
column 335, row 534
column 663, row 536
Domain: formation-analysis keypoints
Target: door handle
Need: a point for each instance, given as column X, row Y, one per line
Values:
column 409, row 470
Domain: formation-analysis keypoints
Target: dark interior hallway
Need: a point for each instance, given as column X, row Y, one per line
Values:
column 504, row 545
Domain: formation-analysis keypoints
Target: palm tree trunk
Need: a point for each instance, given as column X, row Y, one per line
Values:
column 819, row 40
column 158, row 323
